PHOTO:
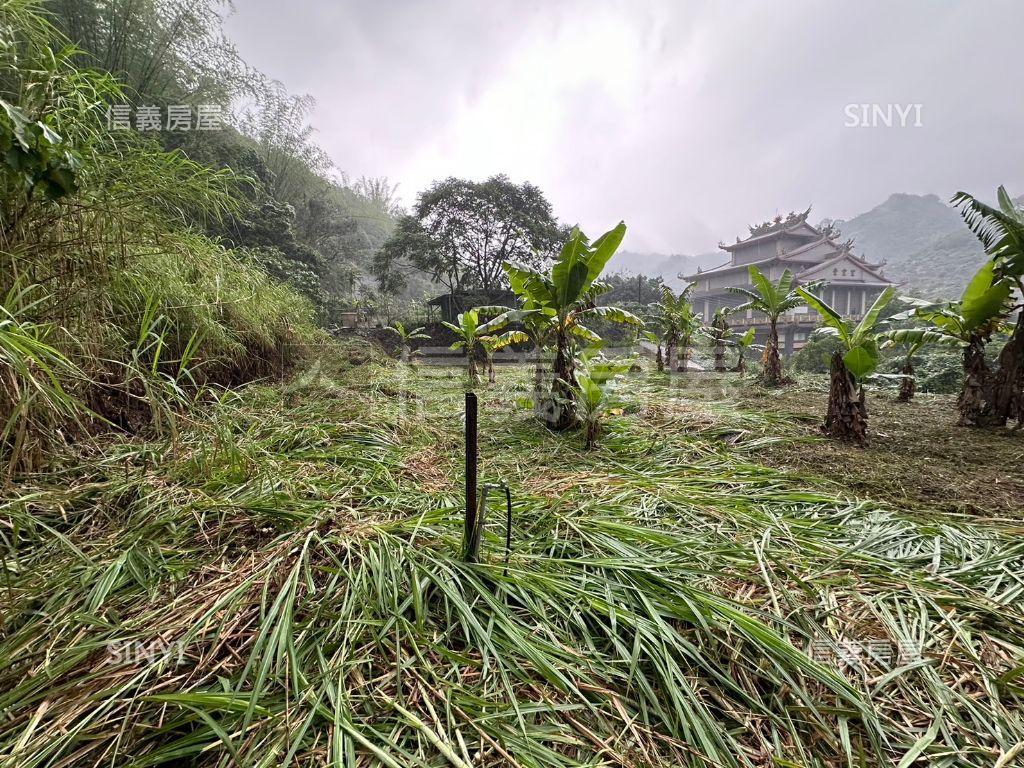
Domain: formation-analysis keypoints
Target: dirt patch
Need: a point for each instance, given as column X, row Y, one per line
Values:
column 430, row 470
column 916, row 456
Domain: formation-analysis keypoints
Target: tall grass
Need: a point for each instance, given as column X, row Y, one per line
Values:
column 139, row 309
column 283, row 588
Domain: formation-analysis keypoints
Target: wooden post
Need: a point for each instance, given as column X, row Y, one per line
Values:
column 471, row 532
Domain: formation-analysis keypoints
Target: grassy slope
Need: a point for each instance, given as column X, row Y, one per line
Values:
column 294, row 551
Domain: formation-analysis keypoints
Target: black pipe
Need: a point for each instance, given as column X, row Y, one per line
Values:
column 471, row 532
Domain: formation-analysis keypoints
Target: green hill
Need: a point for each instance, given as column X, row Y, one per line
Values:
column 922, row 240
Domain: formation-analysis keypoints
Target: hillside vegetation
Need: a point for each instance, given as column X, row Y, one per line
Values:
column 117, row 307
column 924, row 242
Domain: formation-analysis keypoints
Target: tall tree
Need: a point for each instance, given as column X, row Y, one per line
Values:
column 1001, row 231
column 162, row 51
column 772, row 300
column 461, row 232
column 969, row 324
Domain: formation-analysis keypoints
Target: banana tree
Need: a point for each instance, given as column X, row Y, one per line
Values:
column 743, row 344
column 679, row 322
column 847, row 415
column 406, row 337
column 654, row 332
column 772, row 300
column 969, row 324
column 470, row 331
column 594, row 394
column 912, row 339
column 1001, row 231
column 718, row 332
column 491, row 344
column 565, row 296
column 538, row 324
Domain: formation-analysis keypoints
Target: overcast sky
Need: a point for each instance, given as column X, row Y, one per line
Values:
column 687, row 119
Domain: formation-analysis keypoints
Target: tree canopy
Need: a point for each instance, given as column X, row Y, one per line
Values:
column 460, row 232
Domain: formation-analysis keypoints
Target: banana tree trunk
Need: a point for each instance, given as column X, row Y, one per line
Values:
column 670, row 354
column 561, row 413
column 772, row 374
column 847, row 416
column 684, row 360
column 741, row 364
column 660, row 361
column 490, row 370
column 540, row 395
column 720, row 355
column 971, row 402
column 406, row 353
column 1007, row 394
column 908, row 386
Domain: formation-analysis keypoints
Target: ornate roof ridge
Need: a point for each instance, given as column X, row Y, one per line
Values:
column 779, row 224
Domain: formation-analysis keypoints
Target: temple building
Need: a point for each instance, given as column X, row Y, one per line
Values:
column 811, row 254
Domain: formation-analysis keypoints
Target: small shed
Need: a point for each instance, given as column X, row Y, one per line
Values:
column 453, row 304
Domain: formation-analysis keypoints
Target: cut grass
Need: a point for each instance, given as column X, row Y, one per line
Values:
column 283, row 588
column 917, row 457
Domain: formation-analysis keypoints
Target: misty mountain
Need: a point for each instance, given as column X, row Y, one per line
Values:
column 923, row 240
column 666, row 266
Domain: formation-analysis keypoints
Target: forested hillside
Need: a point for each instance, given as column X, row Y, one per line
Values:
column 298, row 215
column 146, row 254
column 923, row 240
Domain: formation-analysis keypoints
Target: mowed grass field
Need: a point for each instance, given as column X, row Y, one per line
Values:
column 714, row 585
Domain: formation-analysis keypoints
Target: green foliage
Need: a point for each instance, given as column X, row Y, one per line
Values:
column 475, row 335
column 632, row 290
column 676, row 316
column 858, row 342
column 938, row 368
column 768, row 298
column 1000, row 230
column 305, row 224
column 32, row 397
column 138, row 310
column 299, row 550
column 594, row 392
column 563, row 299
column 981, row 311
column 555, row 305
column 772, row 300
column 816, row 354
column 164, row 52
column 407, row 335
column 470, row 329
column 462, row 232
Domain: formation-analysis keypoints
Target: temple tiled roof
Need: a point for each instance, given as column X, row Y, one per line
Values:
column 775, row 228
